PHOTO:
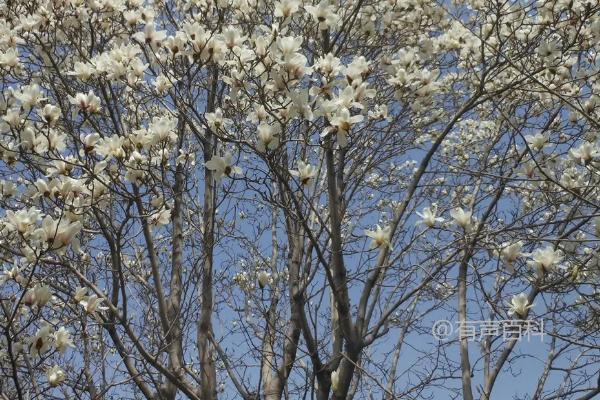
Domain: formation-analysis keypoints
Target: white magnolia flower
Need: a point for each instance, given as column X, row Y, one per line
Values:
column 162, row 84
column 222, row 166
column 343, row 121
column 7, row 189
column 150, row 36
column 163, row 217
column 55, row 375
column 324, row 13
column 89, row 141
column 29, row 95
column 288, row 46
column 54, row 141
column 87, row 102
column 39, row 295
column 305, row 172
column 82, row 71
column 214, row 49
column 216, row 120
column 62, row 340
column 186, row 157
column 463, row 218
column 58, row 233
column 264, row 278
column 537, row 142
column 40, row 343
column 92, row 303
column 43, row 187
column 13, row 274
column 233, row 37
column 28, row 138
column 545, row 260
column 176, row 43
column 519, row 305
column 13, row 117
column 267, row 139
column 510, row 253
column 161, row 130
column 584, row 153
column 381, row 237
column 9, row 58
column 50, row 114
column 286, row 8
column 356, row 69
column 111, row 146
column 328, row 65
column 428, row 216
column 23, row 220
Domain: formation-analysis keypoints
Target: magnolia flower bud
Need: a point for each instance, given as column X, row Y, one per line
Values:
column 80, row 294
column 335, row 381
column 29, row 297
column 264, row 278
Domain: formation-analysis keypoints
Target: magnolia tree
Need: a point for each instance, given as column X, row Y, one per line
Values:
column 263, row 200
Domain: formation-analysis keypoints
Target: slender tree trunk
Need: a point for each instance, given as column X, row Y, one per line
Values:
column 174, row 336
column 208, row 376
column 465, row 364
